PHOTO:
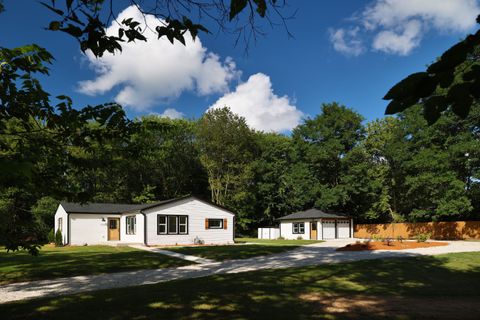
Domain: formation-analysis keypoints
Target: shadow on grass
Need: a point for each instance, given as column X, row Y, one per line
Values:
column 72, row 261
column 416, row 287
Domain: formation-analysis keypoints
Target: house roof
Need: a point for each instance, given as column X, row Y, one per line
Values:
column 118, row 208
column 313, row 214
column 90, row 207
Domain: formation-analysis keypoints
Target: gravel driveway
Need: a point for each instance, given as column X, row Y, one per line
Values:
column 314, row 254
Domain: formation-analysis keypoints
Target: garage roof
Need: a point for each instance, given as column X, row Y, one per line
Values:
column 313, row 214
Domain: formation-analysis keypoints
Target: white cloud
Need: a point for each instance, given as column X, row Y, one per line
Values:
column 171, row 113
column 346, row 41
column 157, row 71
column 260, row 106
column 399, row 43
column 398, row 26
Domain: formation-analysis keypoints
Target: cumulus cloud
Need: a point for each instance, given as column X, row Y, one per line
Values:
column 260, row 106
column 171, row 113
column 398, row 26
column 346, row 41
column 157, row 71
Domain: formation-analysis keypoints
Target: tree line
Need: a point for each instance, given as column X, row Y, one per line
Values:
column 390, row 169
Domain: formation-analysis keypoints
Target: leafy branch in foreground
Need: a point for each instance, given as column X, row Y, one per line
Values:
column 87, row 20
column 453, row 81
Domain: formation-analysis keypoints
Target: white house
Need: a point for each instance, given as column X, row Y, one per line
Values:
column 186, row 220
column 315, row 224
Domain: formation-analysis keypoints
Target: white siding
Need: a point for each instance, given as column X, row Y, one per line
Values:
column 132, row 238
column 89, row 229
column 197, row 211
column 61, row 213
column 286, row 230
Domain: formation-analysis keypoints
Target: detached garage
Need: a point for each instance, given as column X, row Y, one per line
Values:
column 315, row 224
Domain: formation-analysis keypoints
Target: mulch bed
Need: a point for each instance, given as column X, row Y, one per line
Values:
column 395, row 245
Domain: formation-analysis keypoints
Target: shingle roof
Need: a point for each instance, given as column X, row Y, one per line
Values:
column 313, row 214
column 117, row 208
column 101, row 207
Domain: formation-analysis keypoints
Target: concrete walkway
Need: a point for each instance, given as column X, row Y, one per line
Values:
column 174, row 254
column 315, row 254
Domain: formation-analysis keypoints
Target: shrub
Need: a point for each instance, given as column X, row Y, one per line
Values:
column 422, row 237
column 299, row 238
column 58, row 238
column 280, row 238
column 51, row 236
column 376, row 237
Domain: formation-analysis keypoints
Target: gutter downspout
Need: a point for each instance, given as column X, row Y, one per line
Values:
column 144, row 228
column 68, row 228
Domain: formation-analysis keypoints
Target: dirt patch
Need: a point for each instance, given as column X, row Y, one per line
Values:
column 394, row 245
column 357, row 306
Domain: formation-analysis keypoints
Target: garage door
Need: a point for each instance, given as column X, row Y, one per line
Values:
column 328, row 229
column 343, row 229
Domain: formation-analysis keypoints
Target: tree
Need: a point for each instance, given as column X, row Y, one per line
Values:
column 453, row 81
column 44, row 212
column 226, row 148
column 322, row 143
column 87, row 20
column 34, row 135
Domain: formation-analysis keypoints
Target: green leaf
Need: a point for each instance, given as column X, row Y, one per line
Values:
column 236, row 6
column 460, row 99
column 54, row 25
column 261, row 7
column 406, row 87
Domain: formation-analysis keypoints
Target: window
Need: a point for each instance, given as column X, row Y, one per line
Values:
column 172, row 224
column 215, row 223
column 182, row 225
column 112, row 223
column 162, row 224
column 60, row 224
column 298, row 227
column 131, row 222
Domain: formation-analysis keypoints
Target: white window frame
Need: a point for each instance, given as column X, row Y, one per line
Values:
column 180, row 224
column 131, row 230
column 60, row 224
column 215, row 227
column 166, row 225
column 162, row 224
column 298, row 227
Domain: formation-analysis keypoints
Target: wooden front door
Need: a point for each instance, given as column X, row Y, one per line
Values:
column 113, row 229
column 313, row 230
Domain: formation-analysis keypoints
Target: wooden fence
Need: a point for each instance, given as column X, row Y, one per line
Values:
column 453, row 230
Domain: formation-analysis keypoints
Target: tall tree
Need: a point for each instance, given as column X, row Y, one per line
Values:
column 323, row 142
column 227, row 148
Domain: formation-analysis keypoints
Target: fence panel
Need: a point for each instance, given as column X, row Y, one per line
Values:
column 454, row 230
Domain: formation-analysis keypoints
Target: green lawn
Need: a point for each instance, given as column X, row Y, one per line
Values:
column 229, row 252
column 71, row 261
column 403, row 288
column 277, row 242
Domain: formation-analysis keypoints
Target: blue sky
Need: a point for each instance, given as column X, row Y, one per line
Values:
column 351, row 52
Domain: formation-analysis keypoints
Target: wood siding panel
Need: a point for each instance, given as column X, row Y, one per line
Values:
column 454, row 230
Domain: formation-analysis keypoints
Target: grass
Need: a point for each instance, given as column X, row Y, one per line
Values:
column 229, row 252
column 55, row 262
column 397, row 288
column 277, row 242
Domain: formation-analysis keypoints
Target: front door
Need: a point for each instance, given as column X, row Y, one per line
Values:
column 113, row 229
column 313, row 230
